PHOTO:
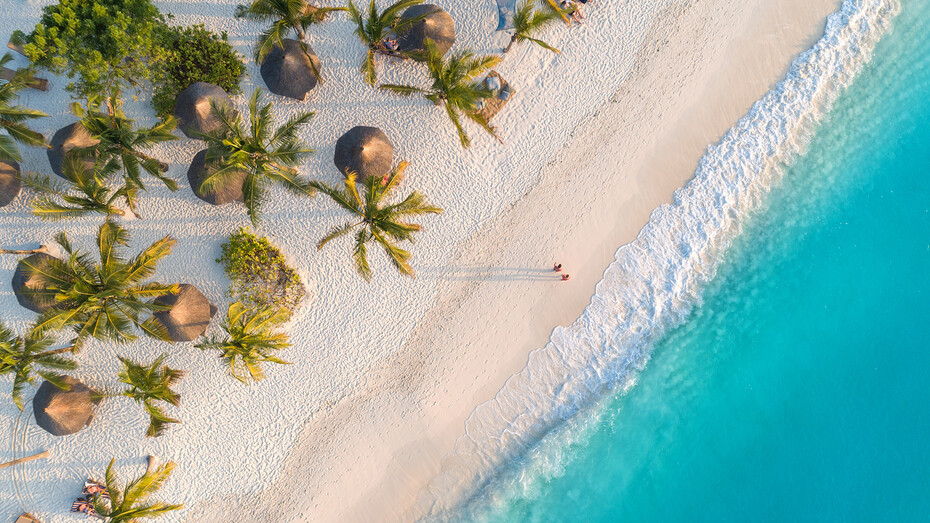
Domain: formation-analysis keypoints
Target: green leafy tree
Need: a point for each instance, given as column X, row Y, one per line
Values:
column 373, row 27
column 376, row 220
column 528, row 21
column 84, row 191
column 27, row 356
column 187, row 55
column 105, row 300
column 14, row 118
column 455, row 86
column 131, row 504
column 252, row 338
column 149, row 384
column 285, row 16
column 266, row 155
column 106, row 44
column 121, row 144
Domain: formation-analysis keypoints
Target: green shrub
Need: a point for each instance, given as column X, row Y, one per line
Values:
column 259, row 274
column 102, row 42
column 187, row 55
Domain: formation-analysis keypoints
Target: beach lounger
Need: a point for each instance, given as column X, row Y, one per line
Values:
column 26, row 518
column 82, row 505
column 92, row 488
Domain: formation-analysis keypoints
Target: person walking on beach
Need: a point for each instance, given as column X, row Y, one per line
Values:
column 557, row 267
column 565, row 277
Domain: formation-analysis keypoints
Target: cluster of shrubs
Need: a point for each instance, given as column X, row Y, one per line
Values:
column 105, row 45
column 258, row 273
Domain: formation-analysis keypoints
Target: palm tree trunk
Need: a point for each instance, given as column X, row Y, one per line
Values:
column 69, row 348
column 42, row 249
column 41, row 455
column 512, row 40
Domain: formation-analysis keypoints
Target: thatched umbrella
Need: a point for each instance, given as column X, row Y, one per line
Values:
column 287, row 71
column 367, row 151
column 437, row 26
column 9, row 182
column 220, row 193
column 63, row 412
column 68, row 138
column 29, row 293
column 189, row 315
column 193, row 108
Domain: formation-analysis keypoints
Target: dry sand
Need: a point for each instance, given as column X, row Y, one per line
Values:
column 700, row 67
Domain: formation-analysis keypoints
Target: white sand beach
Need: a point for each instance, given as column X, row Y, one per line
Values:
column 386, row 374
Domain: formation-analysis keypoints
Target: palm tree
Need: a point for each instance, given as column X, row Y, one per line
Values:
column 379, row 221
column 528, row 21
column 130, row 504
column 20, row 355
column 455, row 86
column 104, row 300
column 121, row 144
column 285, row 16
column 553, row 7
column 373, row 28
column 57, row 200
column 252, row 339
column 151, row 383
column 13, row 118
column 264, row 155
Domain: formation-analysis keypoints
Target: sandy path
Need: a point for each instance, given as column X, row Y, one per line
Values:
column 702, row 66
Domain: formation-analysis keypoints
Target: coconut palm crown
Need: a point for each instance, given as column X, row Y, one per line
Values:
column 131, row 504
column 14, row 118
column 455, row 86
column 151, row 383
column 285, row 16
column 104, row 300
column 373, row 27
column 376, row 219
column 121, row 144
column 252, row 338
column 84, row 191
column 266, row 155
column 528, row 21
column 25, row 357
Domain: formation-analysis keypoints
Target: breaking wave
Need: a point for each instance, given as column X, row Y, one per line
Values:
column 657, row 279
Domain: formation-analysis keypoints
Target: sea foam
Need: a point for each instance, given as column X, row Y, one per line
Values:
column 656, row 280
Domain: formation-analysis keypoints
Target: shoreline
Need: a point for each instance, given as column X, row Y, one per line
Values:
column 374, row 452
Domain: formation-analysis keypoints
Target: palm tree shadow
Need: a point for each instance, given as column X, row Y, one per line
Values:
column 476, row 273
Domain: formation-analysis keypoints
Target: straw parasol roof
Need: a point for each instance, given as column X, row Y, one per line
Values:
column 219, row 194
column 68, row 138
column 365, row 150
column 193, row 108
column 189, row 315
column 287, row 71
column 63, row 412
column 9, row 182
column 438, row 26
column 28, row 292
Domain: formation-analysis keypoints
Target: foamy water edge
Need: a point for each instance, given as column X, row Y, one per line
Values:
column 656, row 280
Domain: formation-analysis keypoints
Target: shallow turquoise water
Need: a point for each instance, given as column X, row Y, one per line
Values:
column 800, row 388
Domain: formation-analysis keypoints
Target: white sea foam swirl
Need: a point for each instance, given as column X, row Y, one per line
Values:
column 656, row 280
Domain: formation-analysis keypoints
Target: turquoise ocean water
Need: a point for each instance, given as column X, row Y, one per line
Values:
column 799, row 389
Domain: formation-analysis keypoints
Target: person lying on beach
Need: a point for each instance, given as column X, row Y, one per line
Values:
column 388, row 47
column 83, row 505
column 92, row 488
column 572, row 9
